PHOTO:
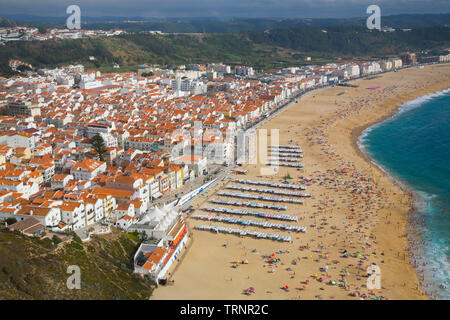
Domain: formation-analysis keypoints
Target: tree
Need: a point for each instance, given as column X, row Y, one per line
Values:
column 10, row 221
column 56, row 239
column 99, row 146
column 23, row 68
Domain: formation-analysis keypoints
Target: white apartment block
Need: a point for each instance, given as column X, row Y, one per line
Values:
column 88, row 169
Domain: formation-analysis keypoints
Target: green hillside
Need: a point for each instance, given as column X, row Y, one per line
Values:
column 264, row 50
column 31, row 268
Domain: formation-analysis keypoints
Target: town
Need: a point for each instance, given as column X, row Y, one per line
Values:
column 23, row 33
column 83, row 152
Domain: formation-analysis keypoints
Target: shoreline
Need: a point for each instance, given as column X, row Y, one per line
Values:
column 328, row 133
column 414, row 198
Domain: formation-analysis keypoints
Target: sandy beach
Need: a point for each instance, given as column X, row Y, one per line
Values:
column 357, row 215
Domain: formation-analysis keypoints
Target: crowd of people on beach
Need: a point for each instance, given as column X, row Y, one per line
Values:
column 347, row 204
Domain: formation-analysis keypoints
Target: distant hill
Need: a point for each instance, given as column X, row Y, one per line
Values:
column 355, row 41
column 36, row 269
column 227, row 25
column 266, row 50
column 7, row 23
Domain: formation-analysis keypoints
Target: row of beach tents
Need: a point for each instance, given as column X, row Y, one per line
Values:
column 271, row 184
column 244, row 212
column 285, row 148
column 240, row 232
column 262, row 224
column 272, row 191
column 284, row 155
column 279, row 150
column 273, row 159
column 230, row 202
column 258, row 197
column 285, row 164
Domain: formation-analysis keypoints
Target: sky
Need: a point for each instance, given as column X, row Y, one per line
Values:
column 222, row 8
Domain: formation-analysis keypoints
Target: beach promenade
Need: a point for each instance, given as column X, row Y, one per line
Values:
column 356, row 215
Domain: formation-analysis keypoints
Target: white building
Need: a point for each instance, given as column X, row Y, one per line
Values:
column 222, row 68
column 132, row 183
column 21, row 140
column 103, row 129
column 353, row 70
column 94, row 210
column 154, row 259
column 197, row 164
column 59, row 181
column 153, row 185
column 157, row 222
column 90, row 84
column 24, row 108
column 73, row 215
column 88, row 169
column 27, row 189
column 244, row 71
column 386, row 65
column 49, row 217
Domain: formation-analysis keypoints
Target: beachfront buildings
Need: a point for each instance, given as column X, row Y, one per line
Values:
column 435, row 59
column 397, row 63
column 195, row 163
column 368, row 68
column 166, row 234
column 408, row 58
column 386, row 65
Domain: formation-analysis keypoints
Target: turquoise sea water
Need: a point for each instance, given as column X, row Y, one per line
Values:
column 414, row 148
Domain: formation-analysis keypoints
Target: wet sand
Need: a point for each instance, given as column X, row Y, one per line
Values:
column 357, row 215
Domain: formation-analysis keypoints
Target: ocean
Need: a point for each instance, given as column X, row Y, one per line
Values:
column 413, row 147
